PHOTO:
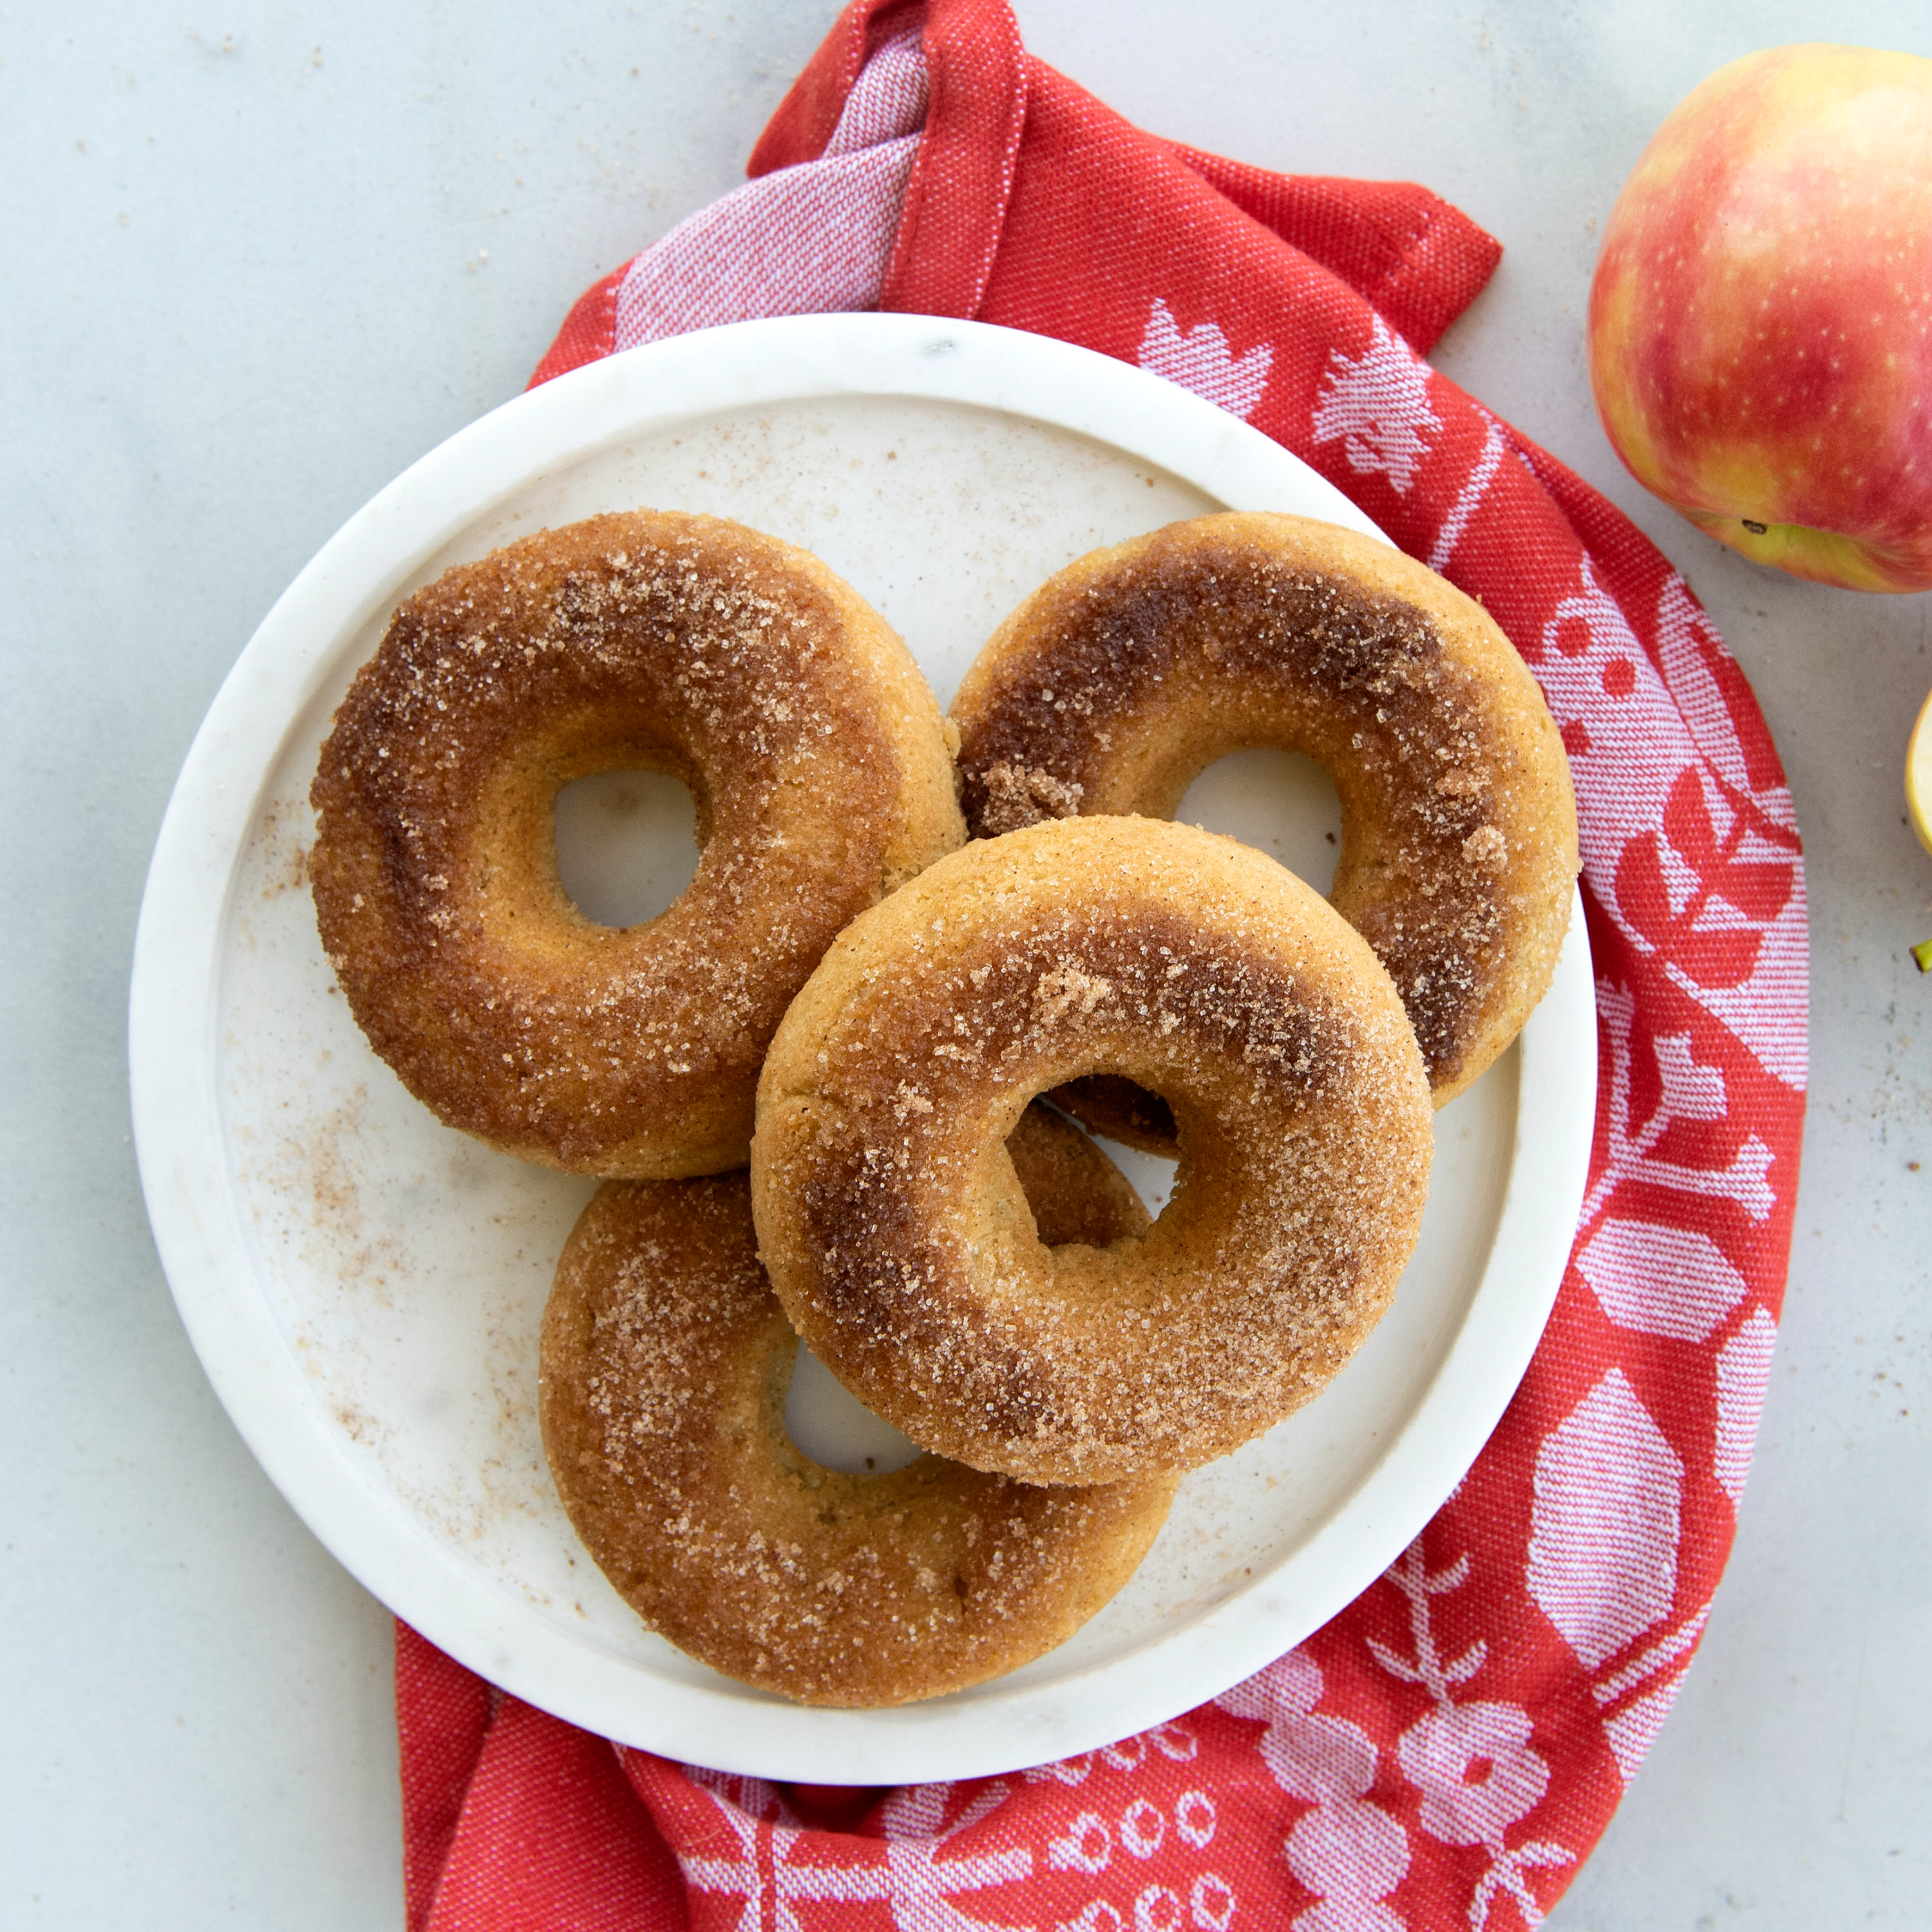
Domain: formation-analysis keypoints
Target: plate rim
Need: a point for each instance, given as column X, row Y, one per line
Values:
column 174, row 1014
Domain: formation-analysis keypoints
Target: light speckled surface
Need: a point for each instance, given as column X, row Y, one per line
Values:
column 262, row 259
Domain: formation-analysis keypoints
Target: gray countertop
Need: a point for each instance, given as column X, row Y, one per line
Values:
column 262, row 258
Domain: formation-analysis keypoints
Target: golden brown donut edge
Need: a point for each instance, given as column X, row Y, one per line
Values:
column 892, row 1226
column 665, row 1362
column 739, row 664
column 1115, row 684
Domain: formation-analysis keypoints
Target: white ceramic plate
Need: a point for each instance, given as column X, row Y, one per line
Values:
column 365, row 1286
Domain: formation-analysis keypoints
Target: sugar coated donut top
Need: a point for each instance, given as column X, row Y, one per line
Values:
column 1119, row 680
column 889, row 1217
column 685, row 644
column 666, row 1361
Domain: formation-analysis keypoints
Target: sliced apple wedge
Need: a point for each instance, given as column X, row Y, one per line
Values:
column 1919, row 776
column 1919, row 802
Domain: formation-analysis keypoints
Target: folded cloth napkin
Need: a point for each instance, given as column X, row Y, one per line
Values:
column 1447, row 1750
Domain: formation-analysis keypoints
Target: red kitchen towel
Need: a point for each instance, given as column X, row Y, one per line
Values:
column 1446, row 1750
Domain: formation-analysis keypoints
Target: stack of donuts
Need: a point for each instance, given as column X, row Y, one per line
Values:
column 842, row 1089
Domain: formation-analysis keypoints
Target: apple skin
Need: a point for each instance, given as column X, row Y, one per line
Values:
column 1760, row 325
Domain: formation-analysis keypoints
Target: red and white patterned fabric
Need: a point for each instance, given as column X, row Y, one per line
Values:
column 1446, row 1750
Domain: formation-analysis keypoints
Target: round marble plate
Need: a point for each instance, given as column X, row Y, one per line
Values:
column 364, row 1286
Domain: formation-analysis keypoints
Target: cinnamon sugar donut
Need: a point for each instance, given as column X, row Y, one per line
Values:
column 738, row 664
column 665, row 1364
column 1115, row 684
column 890, row 1219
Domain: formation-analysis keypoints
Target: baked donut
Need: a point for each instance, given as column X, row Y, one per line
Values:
column 892, row 1226
column 740, row 664
column 1118, row 681
column 666, row 1359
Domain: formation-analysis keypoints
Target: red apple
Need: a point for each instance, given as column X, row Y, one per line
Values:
column 1761, row 321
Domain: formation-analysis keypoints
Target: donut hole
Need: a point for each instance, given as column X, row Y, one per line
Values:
column 1152, row 1175
column 826, row 1422
column 1280, row 802
column 627, row 845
